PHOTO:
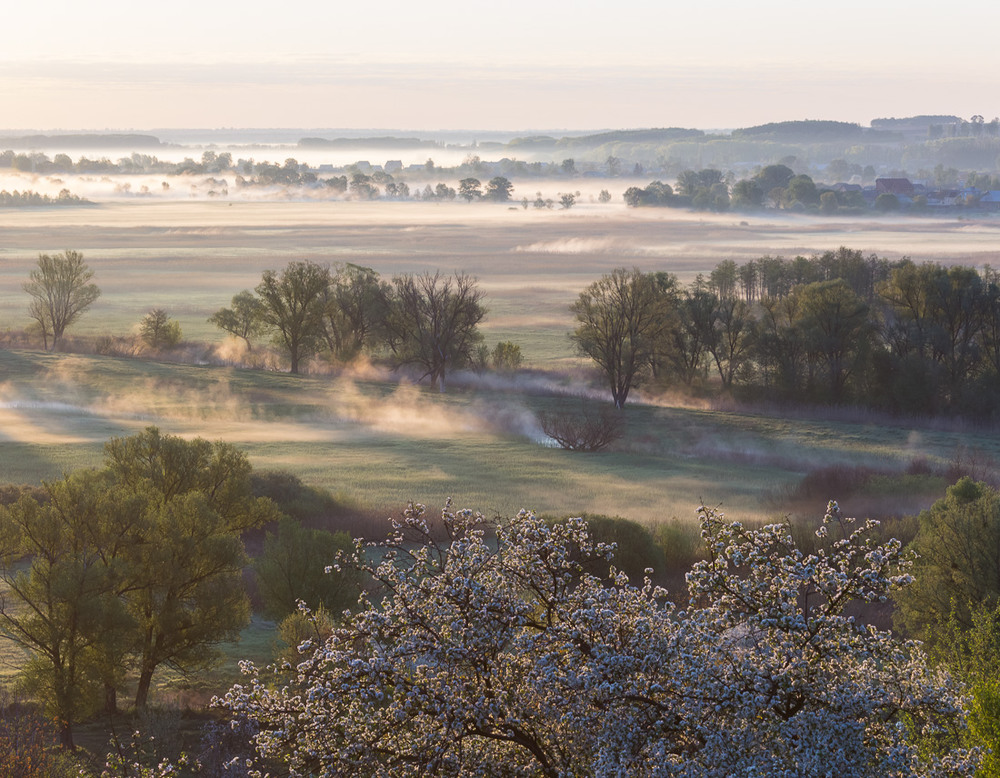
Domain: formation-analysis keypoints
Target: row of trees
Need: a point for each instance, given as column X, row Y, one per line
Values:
column 31, row 199
column 428, row 321
column 774, row 186
column 838, row 328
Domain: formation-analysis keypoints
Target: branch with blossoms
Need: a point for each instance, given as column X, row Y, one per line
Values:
column 486, row 649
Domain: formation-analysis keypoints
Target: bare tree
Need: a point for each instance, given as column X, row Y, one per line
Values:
column 433, row 322
column 589, row 429
column 622, row 318
column 61, row 291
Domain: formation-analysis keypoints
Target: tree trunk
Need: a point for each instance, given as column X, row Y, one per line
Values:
column 66, row 735
column 142, row 690
column 110, row 698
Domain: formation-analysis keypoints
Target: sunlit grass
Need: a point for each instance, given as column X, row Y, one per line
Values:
column 382, row 444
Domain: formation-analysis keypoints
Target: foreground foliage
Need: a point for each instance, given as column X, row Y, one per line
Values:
column 127, row 569
column 957, row 568
column 494, row 654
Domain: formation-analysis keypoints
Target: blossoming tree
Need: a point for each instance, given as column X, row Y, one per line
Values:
column 491, row 653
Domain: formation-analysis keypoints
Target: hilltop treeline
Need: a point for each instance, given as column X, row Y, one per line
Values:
column 839, row 328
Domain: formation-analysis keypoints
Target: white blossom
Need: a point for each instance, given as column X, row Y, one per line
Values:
column 494, row 654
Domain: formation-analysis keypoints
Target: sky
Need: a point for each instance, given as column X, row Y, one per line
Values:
column 511, row 65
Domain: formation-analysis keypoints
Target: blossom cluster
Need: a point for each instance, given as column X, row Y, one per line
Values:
column 484, row 649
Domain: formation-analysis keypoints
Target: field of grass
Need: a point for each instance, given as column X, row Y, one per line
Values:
column 192, row 257
column 378, row 442
column 382, row 443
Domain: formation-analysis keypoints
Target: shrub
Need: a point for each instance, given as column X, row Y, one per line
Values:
column 295, row 566
column 635, row 549
column 587, row 429
column 158, row 330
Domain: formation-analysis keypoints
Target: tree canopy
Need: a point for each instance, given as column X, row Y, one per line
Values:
column 128, row 568
column 958, row 559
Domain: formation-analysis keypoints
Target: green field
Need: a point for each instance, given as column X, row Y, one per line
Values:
column 378, row 442
column 190, row 258
column 383, row 443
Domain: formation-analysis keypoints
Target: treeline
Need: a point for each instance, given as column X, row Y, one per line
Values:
column 774, row 186
column 839, row 328
column 28, row 198
column 39, row 162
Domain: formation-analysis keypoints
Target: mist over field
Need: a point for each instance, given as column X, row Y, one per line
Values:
column 188, row 241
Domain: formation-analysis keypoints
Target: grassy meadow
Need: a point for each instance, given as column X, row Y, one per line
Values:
column 191, row 257
column 381, row 443
column 378, row 442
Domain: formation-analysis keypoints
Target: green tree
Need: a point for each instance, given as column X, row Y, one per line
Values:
column 61, row 292
column 293, row 307
column 362, row 188
column 185, row 557
column 158, row 330
column 621, row 319
column 433, row 322
column 244, row 319
column 836, row 329
column 298, row 564
column 747, row 194
column 61, row 601
column 828, row 202
column 972, row 654
column 774, row 177
column 957, row 565
column 355, row 306
column 781, row 343
column 886, row 202
column 801, row 189
column 506, row 356
column 734, row 338
column 498, row 190
column 692, row 335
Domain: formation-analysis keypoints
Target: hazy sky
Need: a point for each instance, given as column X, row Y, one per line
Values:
column 445, row 64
